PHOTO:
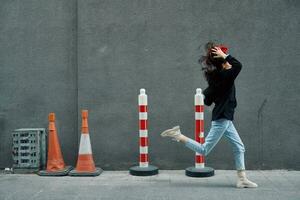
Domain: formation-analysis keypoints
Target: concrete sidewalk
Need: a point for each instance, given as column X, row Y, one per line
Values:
column 168, row 185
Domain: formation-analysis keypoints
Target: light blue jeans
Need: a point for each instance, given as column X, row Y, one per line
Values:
column 219, row 128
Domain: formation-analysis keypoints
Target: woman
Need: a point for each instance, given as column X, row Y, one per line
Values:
column 220, row 70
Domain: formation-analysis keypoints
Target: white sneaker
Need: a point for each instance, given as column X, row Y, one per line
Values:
column 174, row 133
column 243, row 182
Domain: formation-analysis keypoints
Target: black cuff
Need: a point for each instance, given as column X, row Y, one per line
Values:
column 228, row 57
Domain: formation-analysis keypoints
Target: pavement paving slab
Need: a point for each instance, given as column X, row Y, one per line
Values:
column 167, row 185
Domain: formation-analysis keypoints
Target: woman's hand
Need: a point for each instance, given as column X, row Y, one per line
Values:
column 219, row 53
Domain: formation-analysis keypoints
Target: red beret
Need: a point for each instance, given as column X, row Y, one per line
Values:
column 223, row 48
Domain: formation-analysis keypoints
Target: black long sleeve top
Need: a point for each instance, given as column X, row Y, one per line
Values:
column 222, row 91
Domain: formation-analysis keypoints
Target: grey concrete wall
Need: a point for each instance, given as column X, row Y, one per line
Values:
column 38, row 70
column 121, row 46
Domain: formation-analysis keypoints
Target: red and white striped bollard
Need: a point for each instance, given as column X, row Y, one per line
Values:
column 144, row 169
column 143, row 128
column 199, row 170
column 199, row 126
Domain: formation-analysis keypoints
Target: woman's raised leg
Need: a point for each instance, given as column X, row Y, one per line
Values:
column 218, row 127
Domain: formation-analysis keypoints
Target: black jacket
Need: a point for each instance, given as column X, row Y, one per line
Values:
column 222, row 91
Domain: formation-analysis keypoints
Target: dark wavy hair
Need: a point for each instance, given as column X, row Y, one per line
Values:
column 210, row 65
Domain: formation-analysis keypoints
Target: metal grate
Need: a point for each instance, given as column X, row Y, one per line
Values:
column 29, row 148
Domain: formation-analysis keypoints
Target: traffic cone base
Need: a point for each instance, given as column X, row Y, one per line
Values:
column 75, row 172
column 60, row 172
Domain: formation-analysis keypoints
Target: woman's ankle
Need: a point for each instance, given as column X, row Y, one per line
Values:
column 241, row 173
column 183, row 138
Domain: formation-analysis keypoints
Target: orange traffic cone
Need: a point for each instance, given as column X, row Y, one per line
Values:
column 55, row 163
column 85, row 163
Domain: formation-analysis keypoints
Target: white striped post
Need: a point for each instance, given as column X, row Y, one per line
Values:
column 199, row 170
column 143, row 169
column 199, row 126
column 143, row 128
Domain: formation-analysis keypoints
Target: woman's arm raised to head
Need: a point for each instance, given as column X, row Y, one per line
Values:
column 230, row 73
column 233, row 72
